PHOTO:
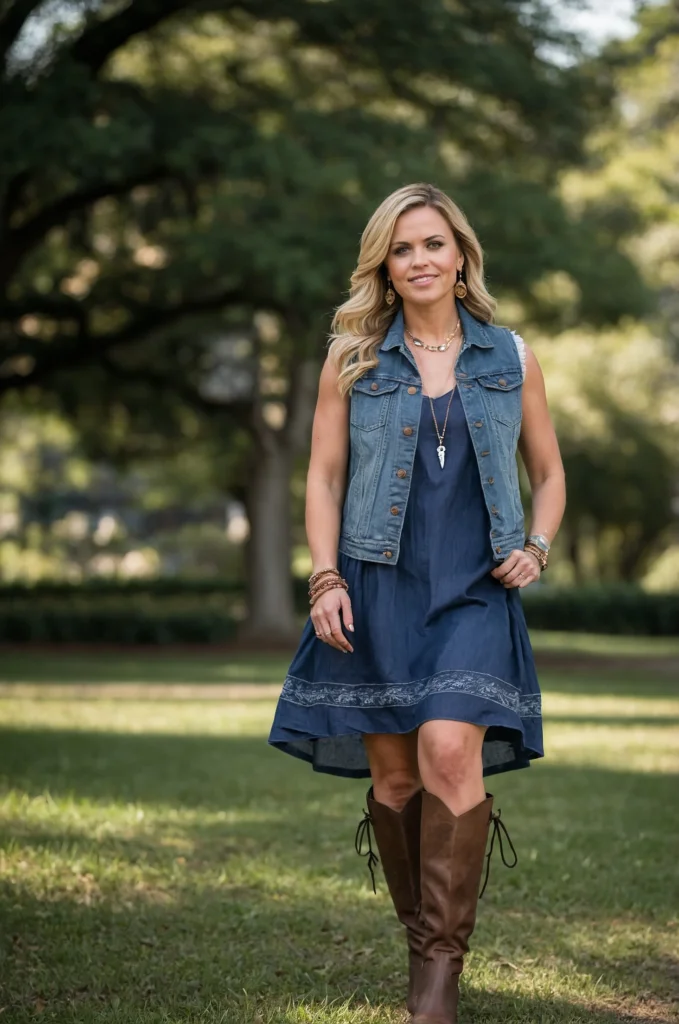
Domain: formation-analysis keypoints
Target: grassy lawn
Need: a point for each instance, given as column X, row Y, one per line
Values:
column 160, row 863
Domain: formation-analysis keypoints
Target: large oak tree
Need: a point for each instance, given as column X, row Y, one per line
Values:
column 183, row 185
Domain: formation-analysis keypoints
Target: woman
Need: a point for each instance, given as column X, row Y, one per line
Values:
column 416, row 533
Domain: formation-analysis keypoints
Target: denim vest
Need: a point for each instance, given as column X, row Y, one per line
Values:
column 384, row 420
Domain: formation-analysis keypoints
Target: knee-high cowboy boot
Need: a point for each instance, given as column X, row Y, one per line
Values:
column 452, row 855
column 397, row 834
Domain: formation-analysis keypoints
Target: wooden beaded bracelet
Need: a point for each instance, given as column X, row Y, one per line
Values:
column 539, row 554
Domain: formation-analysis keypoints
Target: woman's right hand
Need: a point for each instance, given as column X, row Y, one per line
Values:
column 325, row 616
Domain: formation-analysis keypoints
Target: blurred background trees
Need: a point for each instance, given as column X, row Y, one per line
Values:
column 182, row 190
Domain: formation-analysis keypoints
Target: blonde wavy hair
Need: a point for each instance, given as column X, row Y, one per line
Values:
column 360, row 324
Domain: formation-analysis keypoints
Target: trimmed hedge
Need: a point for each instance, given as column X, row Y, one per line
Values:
column 617, row 610
column 209, row 611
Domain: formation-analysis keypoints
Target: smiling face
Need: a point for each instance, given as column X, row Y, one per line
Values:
column 423, row 257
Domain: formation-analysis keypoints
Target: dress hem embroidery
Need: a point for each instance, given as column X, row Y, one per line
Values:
column 381, row 695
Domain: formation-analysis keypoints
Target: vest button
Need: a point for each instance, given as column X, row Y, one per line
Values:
column 407, row 431
column 395, row 510
column 494, row 511
column 491, row 479
column 499, row 550
column 412, row 391
column 461, row 374
column 387, row 554
column 485, row 453
column 502, row 382
column 401, row 473
column 374, row 387
column 478, row 423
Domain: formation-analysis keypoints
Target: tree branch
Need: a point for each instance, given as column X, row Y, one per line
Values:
column 13, row 21
column 235, row 413
column 22, row 239
column 68, row 353
column 96, row 44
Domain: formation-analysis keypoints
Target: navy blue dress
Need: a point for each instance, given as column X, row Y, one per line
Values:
column 435, row 635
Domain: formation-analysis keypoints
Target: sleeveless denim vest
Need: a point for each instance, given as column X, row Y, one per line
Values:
column 384, row 419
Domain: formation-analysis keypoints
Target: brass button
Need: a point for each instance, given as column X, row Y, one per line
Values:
column 412, row 391
column 502, row 382
column 499, row 550
column 407, row 431
column 395, row 510
column 478, row 423
column 387, row 554
column 494, row 511
column 491, row 479
column 485, row 453
column 401, row 472
column 374, row 387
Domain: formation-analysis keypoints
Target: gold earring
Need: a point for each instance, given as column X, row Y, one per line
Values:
column 390, row 294
column 460, row 288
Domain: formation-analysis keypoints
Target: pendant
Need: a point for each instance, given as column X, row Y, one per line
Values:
column 441, row 452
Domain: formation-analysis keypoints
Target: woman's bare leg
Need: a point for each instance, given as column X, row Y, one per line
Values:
column 450, row 764
column 393, row 767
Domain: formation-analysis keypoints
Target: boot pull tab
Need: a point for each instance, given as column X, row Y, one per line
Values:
column 498, row 828
column 363, row 833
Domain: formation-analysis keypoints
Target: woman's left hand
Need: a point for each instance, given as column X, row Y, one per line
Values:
column 518, row 569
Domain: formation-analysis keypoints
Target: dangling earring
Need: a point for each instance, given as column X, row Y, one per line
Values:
column 390, row 294
column 460, row 288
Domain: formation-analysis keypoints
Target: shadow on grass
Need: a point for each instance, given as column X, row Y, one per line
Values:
column 591, row 842
column 137, row 960
column 615, row 721
column 270, row 900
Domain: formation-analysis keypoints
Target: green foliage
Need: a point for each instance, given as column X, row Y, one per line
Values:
column 210, row 611
column 162, row 162
column 620, row 610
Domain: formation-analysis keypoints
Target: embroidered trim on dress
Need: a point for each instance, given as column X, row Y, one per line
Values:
column 360, row 695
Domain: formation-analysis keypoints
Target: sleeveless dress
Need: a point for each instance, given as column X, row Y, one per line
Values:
column 435, row 635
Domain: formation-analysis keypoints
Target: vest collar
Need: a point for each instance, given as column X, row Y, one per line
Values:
column 475, row 332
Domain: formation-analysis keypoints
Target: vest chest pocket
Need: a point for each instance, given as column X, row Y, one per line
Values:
column 502, row 395
column 370, row 400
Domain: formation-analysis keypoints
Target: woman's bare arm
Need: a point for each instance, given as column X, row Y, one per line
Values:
column 325, row 487
column 327, row 474
column 539, row 450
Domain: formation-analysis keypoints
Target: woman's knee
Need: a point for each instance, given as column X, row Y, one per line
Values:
column 450, row 753
column 393, row 768
column 395, row 788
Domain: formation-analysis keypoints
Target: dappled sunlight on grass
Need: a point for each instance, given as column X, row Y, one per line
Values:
column 161, row 863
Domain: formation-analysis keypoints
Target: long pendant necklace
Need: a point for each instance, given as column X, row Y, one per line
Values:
column 441, row 450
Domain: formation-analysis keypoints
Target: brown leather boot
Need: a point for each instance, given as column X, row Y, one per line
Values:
column 452, row 855
column 397, row 834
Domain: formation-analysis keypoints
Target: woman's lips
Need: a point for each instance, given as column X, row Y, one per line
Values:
column 425, row 279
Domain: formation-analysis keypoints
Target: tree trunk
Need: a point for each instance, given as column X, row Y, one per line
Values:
column 271, row 614
column 270, row 595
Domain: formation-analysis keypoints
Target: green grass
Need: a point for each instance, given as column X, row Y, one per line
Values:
column 160, row 863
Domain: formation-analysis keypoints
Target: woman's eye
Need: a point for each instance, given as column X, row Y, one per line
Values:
column 401, row 249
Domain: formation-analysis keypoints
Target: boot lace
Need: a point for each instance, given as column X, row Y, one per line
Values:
column 498, row 828
column 363, row 835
